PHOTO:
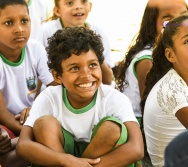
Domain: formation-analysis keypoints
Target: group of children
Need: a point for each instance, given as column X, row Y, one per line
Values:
column 79, row 120
column 78, row 67
column 160, row 101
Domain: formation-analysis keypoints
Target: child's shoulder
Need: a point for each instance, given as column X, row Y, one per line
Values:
column 108, row 91
column 53, row 91
column 95, row 28
column 145, row 52
column 52, row 24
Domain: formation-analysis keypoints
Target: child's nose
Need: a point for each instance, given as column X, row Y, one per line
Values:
column 85, row 72
column 19, row 28
column 78, row 4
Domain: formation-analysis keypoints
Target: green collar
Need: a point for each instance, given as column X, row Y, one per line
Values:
column 11, row 63
column 81, row 110
column 85, row 24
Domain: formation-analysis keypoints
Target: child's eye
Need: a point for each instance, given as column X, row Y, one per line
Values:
column 186, row 42
column 84, row 1
column 74, row 68
column 8, row 23
column 69, row 3
column 93, row 65
column 24, row 21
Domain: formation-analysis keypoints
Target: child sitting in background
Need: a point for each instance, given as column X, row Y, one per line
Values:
column 22, row 62
column 73, row 14
column 87, row 119
column 165, row 100
column 131, row 72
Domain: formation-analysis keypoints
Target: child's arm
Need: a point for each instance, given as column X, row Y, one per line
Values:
column 128, row 153
column 107, row 74
column 52, row 84
column 142, row 69
column 37, row 153
column 182, row 114
column 7, row 119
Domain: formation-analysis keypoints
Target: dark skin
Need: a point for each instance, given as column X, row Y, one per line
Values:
column 14, row 122
column 142, row 68
column 53, row 154
column 8, row 157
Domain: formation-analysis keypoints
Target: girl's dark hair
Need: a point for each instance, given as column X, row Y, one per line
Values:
column 145, row 38
column 5, row 3
column 72, row 40
column 160, row 63
column 54, row 16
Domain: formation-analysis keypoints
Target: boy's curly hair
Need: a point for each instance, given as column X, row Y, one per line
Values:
column 72, row 40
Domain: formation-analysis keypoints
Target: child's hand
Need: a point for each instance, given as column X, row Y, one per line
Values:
column 81, row 162
column 23, row 115
column 5, row 142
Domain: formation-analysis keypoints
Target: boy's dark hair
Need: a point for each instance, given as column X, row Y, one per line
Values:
column 160, row 63
column 72, row 40
column 5, row 3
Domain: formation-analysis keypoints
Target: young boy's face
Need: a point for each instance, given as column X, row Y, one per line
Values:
column 73, row 12
column 81, row 76
column 14, row 28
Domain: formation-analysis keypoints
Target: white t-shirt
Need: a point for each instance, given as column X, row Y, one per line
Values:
column 80, row 122
column 131, row 89
column 49, row 28
column 161, row 125
column 18, row 80
column 38, row 12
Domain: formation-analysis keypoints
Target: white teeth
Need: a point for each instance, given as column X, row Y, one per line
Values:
column 79, row 14
column 85, row 85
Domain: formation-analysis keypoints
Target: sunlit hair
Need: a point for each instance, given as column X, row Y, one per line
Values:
column 145, row 38
column 5, row 3
column 56, row 4
column 72, row 40
column 160, row 63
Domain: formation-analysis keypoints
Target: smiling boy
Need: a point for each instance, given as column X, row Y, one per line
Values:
column 91, row 124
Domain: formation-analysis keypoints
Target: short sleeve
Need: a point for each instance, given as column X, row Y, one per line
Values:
column 173, row 93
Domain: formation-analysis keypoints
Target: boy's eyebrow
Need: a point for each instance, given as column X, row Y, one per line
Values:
column 76, row 63
column 184, row 36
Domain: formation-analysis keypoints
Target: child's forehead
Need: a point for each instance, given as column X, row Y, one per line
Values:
column 165, row 3
column 82, row 57
column 14, row 7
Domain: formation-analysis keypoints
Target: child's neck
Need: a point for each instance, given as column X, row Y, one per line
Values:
column 64, row 26
column 13, row 57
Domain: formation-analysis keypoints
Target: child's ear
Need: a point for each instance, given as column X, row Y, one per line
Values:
column 90, row 6
column 170, row 55
column 57, row 78
column 57, row 11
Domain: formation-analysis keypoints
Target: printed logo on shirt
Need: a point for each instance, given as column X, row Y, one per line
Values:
column 31, row 85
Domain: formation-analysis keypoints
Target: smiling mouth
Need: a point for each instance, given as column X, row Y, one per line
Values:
column 79, row 14
column 86, row 85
